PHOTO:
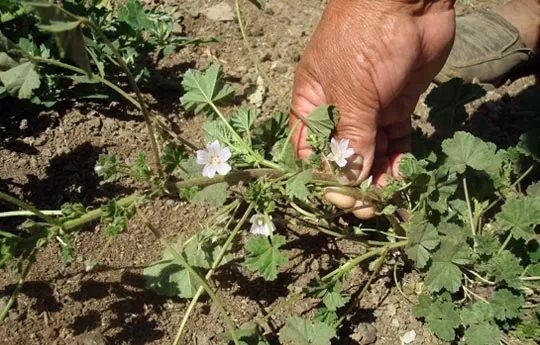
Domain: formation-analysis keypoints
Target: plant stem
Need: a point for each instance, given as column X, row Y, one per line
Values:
column 100, row 255
column 29, row 213
column 104, row 81
column 288, row 140
column 354, row 302
column 215, row 264
column 134, row 86
column 29, row 208
column 499, row 198
column 469, row 209
column 13, row 297
column 505, row 243
column 228, row 322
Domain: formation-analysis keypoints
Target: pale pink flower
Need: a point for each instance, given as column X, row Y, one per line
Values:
column 214, row 159
column 340, row 152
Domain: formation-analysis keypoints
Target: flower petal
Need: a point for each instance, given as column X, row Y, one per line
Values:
column 214, row 148
column 334, row 145
column 225, row 154
column 202, row 157
column 331, row 157
column 209, row 171
column 223, row 168
column 344, row 144
column 348, row 152
column 341, row 162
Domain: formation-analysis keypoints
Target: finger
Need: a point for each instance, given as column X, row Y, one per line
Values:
column 307, row 95
column 358, row 124
column 359, row 208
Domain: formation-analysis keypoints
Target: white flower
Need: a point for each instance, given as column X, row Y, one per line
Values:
column 260, row 225
column 214, row 159
column 340, row 152
column 98, row 168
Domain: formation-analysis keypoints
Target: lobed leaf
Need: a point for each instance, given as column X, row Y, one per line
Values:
column 422, row 239
column 296, row 186
column 21, row 80
column 466, row 150
column 520, row 216
column 214, row 195
column 202, row 90
column 298, row 331
column 322, row 121
column 264, row 256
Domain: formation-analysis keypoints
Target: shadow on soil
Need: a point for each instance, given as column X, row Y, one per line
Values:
column 133, row 309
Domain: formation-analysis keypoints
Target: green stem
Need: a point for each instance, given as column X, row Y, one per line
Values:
column 240, row 140
column 133, row 85
column 29, row 213
column 288, row 140
column 499, row 198
column 104, row 81
column 469, row 209
column 505, row 243
column 29, row 208
column 228, row 322
column 13, row 297
column 355, row 301
column 211, row 272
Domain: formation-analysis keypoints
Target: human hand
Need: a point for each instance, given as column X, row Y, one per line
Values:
column 372, row 59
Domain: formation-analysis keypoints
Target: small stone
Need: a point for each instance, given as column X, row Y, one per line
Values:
column 408, row 337
column 365, row 334
column 92, row 338
column 23, row 125
column 395, row 323
column 221, row 12
column 281, row 68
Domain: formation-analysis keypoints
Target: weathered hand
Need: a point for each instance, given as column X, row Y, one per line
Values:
column 372, row 59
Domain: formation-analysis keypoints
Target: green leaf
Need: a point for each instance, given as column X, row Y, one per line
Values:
column 264, row 257
column 133, row 14
column 533, row 190
column 250, row 335
column 60, row 26
column 326, row 316
column 202, row 252
column 411, row 167
column 298, row 331
column 140, row 170
column 204, row 90
column 67, row 33
column 442, row 320
column 453, row 94
column 172, row 156
column 108, row 167
column 296, row 186
column 335, row 300
column 423, row 308
column 465, row 150
column 170, row 279
column 477, row 313
column 520, row 216
column 214, row 195
column 487, row 245
column 322, row 121
column 506, row 305
column 444, row 271
column 216, row 130
column 243, row 119
column 505, row 267
column 21, row 80
column 483, row 334
column 422, row 239
column 443, row 275
column 259, row 3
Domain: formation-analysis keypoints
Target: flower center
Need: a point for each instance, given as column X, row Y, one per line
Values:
column 214, row 160
column 260, row 222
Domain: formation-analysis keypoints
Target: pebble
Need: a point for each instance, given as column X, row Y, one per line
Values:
column 221, row 12
column 365, row 334
column 408, row 337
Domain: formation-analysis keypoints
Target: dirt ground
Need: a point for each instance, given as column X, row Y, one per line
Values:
column 48, row 160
